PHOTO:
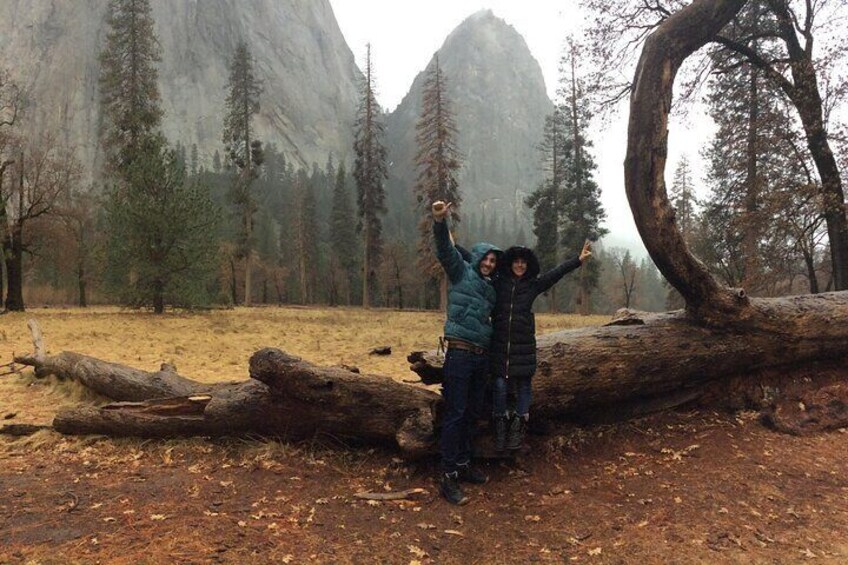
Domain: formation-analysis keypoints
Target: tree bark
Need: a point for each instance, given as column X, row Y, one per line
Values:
column 285, row 397
column 13, row 246
column 644, row 359
column 664, row 51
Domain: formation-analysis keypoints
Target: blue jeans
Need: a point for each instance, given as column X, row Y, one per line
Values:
column 463, row 390
column 523, row 395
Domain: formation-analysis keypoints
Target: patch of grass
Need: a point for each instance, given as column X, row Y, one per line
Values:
column 42, row 439
column 215, row 345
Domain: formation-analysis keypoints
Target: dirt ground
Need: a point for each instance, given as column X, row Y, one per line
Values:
column 683, row 487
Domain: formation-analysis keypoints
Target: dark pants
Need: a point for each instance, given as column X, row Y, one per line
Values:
column 523, row 395
column 463, row 390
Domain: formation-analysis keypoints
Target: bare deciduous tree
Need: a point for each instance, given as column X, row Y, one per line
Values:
column 43, row 173
column 782, row 45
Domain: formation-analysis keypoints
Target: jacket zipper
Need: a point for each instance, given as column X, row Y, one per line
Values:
column 509, row 328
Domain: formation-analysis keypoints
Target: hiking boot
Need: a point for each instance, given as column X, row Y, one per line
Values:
column 470, row 474
column 501, row 428
column 517, row 429
column 450, row 489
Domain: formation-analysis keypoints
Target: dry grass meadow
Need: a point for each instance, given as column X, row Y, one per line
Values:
column 216, row 345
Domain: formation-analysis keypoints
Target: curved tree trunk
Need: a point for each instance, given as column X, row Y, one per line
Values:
column 647, row 146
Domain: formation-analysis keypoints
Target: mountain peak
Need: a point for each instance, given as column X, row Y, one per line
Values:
column 483, row 19
column 483, row 14
column 500, row 102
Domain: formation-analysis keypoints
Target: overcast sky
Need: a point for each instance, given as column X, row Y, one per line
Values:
column 404, row 35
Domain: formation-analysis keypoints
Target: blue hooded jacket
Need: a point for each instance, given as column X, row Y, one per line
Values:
column 471, row 296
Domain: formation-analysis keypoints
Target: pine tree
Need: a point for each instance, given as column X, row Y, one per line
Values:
column 438, row 160
column 129, row 90
column 342, row 230
column 742, row 160
column 683, row 199
column 306, row 229
column 370, row 171
column 583, row 212
column 195, row 164
column 161, row 228
column 162, row 239
column 566, row 207
column 652, row 296
column 554, row 151
column 217, row 167
column 243, row 150
column 545, row 221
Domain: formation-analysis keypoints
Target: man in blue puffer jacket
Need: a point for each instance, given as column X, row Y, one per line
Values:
column 468, row 331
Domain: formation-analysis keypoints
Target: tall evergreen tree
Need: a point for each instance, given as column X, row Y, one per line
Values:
column 683, row 199
column 545, row 222
column 554, row 149
column 652, row 296
column 129, row 89
column 438, row 160
column 306, row 229
column 342, row 231
column 194, row 163
column 161, row 228
column 566, row 206
column 743, row 159
column 583, row 212
column 243, row 150
column 370, row 171
column 162, row 238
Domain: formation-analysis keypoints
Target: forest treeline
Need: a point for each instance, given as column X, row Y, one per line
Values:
column 162, row 227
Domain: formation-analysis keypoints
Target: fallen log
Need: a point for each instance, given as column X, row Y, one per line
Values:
column 668, row 358
column 285, row 397
column 21, row 430
column 812, row 411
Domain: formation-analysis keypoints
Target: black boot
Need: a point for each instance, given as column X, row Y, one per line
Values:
column 517, row 429
column 450, row 489
column 471, row 474
column 501, row 429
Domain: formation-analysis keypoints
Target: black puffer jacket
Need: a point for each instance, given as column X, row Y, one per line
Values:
column 513, row 348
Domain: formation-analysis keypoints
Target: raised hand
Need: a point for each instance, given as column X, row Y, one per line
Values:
column 586, row 252
column 441, row 210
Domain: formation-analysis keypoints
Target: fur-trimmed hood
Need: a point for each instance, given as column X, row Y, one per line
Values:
column 516, row 252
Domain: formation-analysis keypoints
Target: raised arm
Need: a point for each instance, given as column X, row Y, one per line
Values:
column 550, row 278
column 446, row 253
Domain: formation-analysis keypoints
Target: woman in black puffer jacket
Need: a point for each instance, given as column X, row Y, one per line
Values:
column 513, row 347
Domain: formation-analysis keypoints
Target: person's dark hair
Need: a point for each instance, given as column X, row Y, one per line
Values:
column 516, row 252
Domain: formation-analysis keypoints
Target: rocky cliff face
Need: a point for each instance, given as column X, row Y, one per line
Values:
column 310, row 81
column 500, row 102
column 308, row 71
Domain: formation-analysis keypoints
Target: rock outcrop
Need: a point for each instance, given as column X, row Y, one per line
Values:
column 309, row 73
column 500, row 102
